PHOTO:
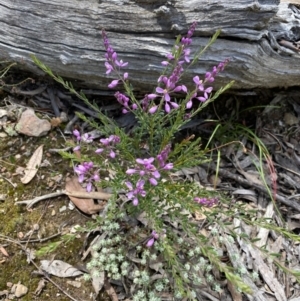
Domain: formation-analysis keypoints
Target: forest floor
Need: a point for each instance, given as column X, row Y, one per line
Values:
column 30, row 234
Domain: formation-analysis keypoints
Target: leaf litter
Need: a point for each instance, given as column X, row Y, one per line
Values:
column 239, row 177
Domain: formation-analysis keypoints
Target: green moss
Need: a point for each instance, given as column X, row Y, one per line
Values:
column 17, row 219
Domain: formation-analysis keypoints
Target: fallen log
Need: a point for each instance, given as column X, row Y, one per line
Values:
column 261, row 38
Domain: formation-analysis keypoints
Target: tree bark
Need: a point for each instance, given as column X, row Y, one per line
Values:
column 259, row 37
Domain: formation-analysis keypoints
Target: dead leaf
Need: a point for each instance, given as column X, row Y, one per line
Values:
column 3, row 251
column 252, row 176
column 59, row 268
column 86, row 205
column 33, row 165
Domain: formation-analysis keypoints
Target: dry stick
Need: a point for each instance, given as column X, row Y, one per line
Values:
column 10, row 182
column 78, row 194
column 39, row 90
column 53, row 102
column 40, row 239
column 31, row 261
column 242, row 181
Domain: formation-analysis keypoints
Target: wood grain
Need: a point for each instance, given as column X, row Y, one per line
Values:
column 66, row 36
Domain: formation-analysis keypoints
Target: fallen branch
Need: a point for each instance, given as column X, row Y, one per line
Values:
column 84, row 195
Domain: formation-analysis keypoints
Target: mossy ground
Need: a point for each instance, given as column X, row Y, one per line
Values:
column 16, row 220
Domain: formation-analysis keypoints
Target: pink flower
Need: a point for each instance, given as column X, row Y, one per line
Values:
column 150, row 242
column 113, row 84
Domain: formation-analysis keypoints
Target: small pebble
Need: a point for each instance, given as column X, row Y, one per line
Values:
column 63, row 208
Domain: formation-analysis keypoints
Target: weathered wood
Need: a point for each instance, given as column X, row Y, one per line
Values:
column 66, row 36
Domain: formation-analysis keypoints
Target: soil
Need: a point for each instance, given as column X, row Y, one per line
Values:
column 53, row 216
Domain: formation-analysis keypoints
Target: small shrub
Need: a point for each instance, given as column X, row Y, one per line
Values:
column 148, row 224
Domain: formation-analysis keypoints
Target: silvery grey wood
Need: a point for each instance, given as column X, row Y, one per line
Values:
column 66, row 36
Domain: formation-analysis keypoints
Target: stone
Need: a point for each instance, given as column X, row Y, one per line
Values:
column 30, row 125
column 20, row 290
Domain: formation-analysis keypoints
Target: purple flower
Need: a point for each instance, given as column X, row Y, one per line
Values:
column 170, row 87
column 163, row 155
column 152, row 239
column 131, row 171
column 145, row 162
column 145, row 169
column 199, row 86
column 154, row 234
column 170, row 56
column 153, row 109
column 108, row 67
column 168, row 166
column 198, row 82
column 150, row 242
column 84, row 172
column 99, row 150
column 87, row 138
column 76, row 133
column 153, row 182
column 109, row 145
column 209, row 77
column 206, row 92
column 105, row 141
column 187, row 40
column 146, row 100
column 89, row 187
column 122, row 99
column 112, row 63
column 186, row 53
column 121, row 63
column 113, row 84
column 112, row 154
column 207, row 202
column 135, row 192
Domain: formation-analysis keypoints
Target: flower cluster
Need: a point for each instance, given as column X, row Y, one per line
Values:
column 207, row 202
column 109, row 145
column 170, row 83
column 86, row 174
column 199, row 84
column 86, row 138
column 163, row 156
column 124, row 101
column 167, row 85
column 135, row 192
column 182, row 51
column 112, row 63
column 147, row 170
